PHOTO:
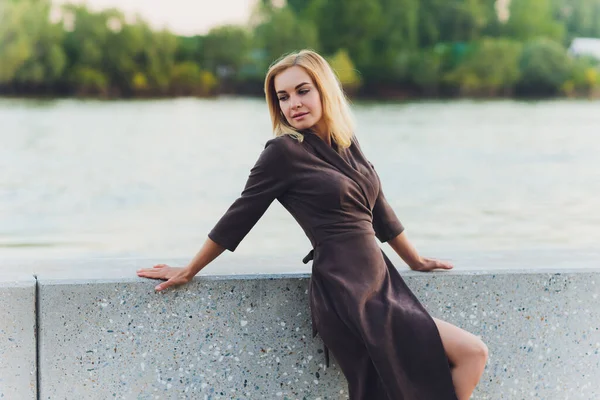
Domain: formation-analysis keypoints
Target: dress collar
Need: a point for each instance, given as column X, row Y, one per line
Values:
column 340, row 160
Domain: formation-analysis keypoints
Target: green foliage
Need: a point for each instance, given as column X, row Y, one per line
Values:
column 545, row 66
column 188, row 79
column 283, row 32
column 491, row 67
column 225, row 49
column 30, row 46
column 352, row 25
column 584, row 78
column 89, row 81
column 47, row 62
column 344, row 68
column 580, row 18
column 452, row 20
column 530, row 19
column 427, row 69
column 105, row 42
column 139, row 82
column 189, row 48
column 377, row 46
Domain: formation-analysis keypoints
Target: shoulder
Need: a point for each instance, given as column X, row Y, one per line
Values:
column 277, row 153
column 284, row 145
column 357, row 151
column 283, row 142
column 355, row 146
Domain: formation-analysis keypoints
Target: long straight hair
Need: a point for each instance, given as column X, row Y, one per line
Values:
column 336, row 110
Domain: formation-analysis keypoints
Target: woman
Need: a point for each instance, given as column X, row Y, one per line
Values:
column 385, row 342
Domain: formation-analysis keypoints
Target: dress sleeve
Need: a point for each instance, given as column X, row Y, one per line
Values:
column 268, row 180
column 385, row 222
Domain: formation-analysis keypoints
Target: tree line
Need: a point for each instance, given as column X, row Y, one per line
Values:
column 379, row 48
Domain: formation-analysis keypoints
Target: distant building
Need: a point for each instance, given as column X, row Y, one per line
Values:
column 585, row 47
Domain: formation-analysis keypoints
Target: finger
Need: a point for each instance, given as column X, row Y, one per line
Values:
column 150, row 273
column 156, row 267
column 164, row 285
column 444, row 265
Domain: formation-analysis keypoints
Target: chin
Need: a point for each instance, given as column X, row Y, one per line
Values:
column 304, row 125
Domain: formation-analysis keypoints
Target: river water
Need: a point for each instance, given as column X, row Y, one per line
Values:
column 492, row 183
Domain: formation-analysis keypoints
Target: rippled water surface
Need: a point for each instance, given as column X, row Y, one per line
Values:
column 479, row 182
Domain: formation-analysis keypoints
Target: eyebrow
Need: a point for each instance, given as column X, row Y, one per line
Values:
column 297, row 86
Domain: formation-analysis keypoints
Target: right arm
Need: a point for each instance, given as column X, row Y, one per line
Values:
column 269, row 178
column 175, row 276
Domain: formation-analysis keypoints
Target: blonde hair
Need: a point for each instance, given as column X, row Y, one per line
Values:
column 336, row 110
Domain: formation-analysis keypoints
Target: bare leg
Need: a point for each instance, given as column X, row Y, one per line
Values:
column 467, row 354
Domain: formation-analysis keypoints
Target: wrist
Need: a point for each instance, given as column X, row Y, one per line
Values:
column 416, row 264
column 189, row 272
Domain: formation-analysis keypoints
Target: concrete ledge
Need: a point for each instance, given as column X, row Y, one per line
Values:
column 17, row 338
column 216, row 338
column 249, row 337
column 542, row 328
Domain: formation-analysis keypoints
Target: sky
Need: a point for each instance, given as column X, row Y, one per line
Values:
column 184, row 17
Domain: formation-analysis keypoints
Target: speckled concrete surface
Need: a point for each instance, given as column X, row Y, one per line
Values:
column 249, row 337
column 17, row 337
column 542, row 329
column 214, row 339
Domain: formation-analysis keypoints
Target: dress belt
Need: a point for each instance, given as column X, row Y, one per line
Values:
column 305, row 260
column 309, row 256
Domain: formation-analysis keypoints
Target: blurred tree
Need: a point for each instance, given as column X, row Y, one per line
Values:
column 581, row 18
column 544, row 66
column 15, row 45
column 131, row 57
column 225, row 49
column 396, row 34
column 47, row 61
column 85, row 36
column 348, row 24
column 344, row 68
column 397, row 45
column 188, row 79
column 529, row 19
column 452, row 20
column 491, row 68
column 140, row 83
column 190, row 48
column 584, row 77
column 283, row 32
column 88, row 81
column 31, row 54
column 426, row 69
column 119, row 45
column 157, row 58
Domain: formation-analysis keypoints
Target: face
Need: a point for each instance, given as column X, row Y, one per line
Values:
column 299, row 99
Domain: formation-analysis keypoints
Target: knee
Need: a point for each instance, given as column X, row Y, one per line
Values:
column 480, row 351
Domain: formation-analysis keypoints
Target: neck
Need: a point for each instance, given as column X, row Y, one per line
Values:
column 321, row 131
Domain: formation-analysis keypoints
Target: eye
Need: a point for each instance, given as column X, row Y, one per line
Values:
column 303, row 91
column 282, row 98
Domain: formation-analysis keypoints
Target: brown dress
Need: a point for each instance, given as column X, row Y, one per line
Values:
column 385, row 342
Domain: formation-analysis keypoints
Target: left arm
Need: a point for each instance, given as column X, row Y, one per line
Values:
column 411, row 257
column 389, row 229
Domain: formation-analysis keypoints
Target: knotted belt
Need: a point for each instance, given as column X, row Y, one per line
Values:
column 310, row 256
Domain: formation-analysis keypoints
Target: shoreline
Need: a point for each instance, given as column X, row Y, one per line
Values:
column 360, row 98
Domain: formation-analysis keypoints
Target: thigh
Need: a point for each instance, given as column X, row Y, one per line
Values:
column 457, row 342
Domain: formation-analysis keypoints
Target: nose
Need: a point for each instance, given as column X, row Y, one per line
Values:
column 297, row 103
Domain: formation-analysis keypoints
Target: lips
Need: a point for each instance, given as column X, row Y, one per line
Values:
column 299, row 115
